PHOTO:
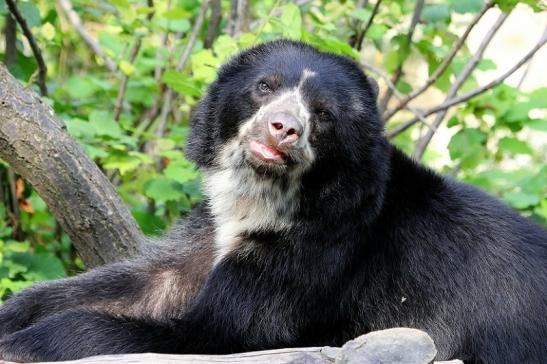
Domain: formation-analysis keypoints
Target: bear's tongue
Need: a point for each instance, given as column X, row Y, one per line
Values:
column 266, row 152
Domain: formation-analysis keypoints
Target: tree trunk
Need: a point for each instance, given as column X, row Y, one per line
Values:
column 36, row 144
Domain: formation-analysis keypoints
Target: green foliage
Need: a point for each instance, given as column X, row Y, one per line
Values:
column 491, row 143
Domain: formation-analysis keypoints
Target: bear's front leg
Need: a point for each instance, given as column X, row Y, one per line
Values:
column 80, row 333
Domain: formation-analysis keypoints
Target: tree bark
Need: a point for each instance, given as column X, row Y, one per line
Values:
column 36, row 144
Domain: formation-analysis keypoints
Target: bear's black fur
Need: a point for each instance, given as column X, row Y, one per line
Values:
column 309, row 236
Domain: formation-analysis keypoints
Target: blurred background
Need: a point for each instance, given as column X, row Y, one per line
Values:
column 463, row 88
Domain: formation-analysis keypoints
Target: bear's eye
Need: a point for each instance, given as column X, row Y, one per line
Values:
column 322, row 114
column 264, row 88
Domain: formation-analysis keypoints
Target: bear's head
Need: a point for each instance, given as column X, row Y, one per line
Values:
column 284, row 111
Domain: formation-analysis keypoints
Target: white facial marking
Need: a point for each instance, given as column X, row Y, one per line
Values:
column 242, row 201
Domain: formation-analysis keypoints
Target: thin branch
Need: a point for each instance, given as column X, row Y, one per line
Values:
column 361, row 36
column 525, row 74
column 396, row 92
column 76, row 22
column 239, row 18
column 42, row 68
column 10, row 33
column 399, row 71
column 442, row 67
column 132, row 56
column 356, row 24
column 465, row 97
column 458, row 83
column 180, row 65
column 214, row 22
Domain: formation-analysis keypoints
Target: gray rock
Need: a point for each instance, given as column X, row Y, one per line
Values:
column 392, row 346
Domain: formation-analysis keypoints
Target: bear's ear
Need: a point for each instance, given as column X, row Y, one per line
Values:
column 373, row 86
column 199, row 143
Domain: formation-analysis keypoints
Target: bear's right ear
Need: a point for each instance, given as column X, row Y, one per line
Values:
column 199, row 148
column 373, row 86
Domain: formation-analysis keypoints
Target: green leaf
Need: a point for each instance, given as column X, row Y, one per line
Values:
column 204, row 65
column 506, row 5
column 487, row 65
column 31, row 13
column 182, row 25
column 537, row 98
column 120, row 3
column 42, row 266
column 141, row 91
column 391, row 62
column 225, row 47
column 181, row 171
column 125, row 162
column 104, row 124
column 453, row 121
column 127, row 68
column 150, row 224
column 467, row 146
column 182, row 83
column 361, row 14
column 514, row 146
column 80, row 87
column 521, row 200
column 466, row 6
column 436, row 13
column 537, row 124
column 404, row 87
column 163, row 189
column 176, row 14
column 376, row 31
column 79, row 128
column 292, row 21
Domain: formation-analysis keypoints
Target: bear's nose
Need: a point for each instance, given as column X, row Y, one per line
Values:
column 284, row 127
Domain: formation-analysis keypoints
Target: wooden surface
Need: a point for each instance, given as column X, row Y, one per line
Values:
column 391, row 346
column 280, row 356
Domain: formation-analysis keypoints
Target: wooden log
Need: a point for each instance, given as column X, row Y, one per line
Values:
column 392, row 346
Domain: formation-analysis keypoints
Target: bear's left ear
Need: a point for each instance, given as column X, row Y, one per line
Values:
column 373, row 86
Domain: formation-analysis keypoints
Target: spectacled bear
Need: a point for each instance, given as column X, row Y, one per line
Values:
column 314, row 230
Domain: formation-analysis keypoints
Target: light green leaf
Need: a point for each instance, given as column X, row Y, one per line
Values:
column 466, row 6
column 31, row 13
column 163, row 189
column 80, row 87
column 515, row 146
column 204, row 65
column 376, row 31
column 104, row 124
column 40, row 266
column 292, row 21
column 537, row 124
column 487, row 65
column 361, row 14
column 122, row 162
column 176, row 14
column 181, row 171
column 436, row 13
column 182, row 83
column 521, row 200
column 80, row 128
column 48, row 31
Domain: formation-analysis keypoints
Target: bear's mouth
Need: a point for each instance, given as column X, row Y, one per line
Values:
column 267, row 153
